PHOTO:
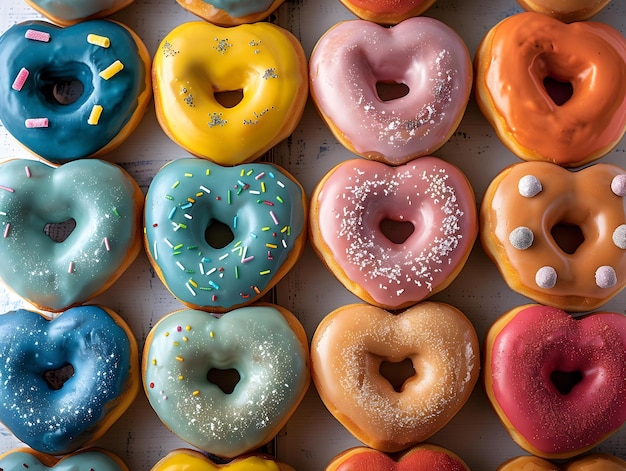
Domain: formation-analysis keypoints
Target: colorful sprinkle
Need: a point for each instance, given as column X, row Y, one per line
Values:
column 36, row 35
column 32, row 123
column 112, row 70
column 20, row 79
column 94, row 116
column 98, row 40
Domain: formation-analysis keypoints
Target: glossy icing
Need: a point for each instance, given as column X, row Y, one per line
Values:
column 84, row 460
column 72, row 11
column 239, row 8
column 422, row 53
column 262, row 60
column 513, row 61
column 262, row 206
column 522, row 243
column 65, row 55
column 106, row 204
column 565, row 10
column 387, row 11
column 102, row 351
column 190, row 460
column 423, row 457
column 349, row 205
column 264, row 344
column 526, row 346
column 592, row 462
column 348, row 348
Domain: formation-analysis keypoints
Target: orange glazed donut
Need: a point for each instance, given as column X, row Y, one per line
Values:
column 424, row 457
column 553, row 91
column 593, row 462
column 387, row 11
column 191, row 460
column 353, row 342
column 558, row 237
column 353, row 203
column 557, row 383
column 565, row 10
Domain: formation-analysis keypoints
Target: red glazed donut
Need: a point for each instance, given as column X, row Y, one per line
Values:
column 557, row 383
column 387, row 11
column 592, row 462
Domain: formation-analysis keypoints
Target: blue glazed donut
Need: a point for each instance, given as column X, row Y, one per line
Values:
column 104, row 65
column 102, row 351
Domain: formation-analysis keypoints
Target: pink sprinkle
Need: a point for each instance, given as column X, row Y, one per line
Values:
column 36, row 35
column 20, row 79
column 27, row 170
column 247, row 259
column 70, row 269
column 6, row 230
column 106, row 244
column 259, row 176
column 6, row 188
column 274, row 217
column 36, row 123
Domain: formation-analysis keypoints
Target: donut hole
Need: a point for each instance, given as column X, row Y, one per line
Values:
column 226, row 379
column 396, row 231
column 397, row 373
column 64, row 86
column 60, row 231
column 218, row 235
column 559, row 91
column 567, row 236
column 389, row 90
column 56, row 378
column 229, row 98
column 564, row 381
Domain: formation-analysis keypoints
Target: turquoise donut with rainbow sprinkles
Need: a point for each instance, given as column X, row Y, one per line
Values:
column 74, row 92
column 221, row 237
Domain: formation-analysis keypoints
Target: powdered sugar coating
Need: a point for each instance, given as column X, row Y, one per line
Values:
column 429, row 193
column 421, row 53
column 348, row 348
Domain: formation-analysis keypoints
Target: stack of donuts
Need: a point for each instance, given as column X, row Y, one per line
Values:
column 393, row 225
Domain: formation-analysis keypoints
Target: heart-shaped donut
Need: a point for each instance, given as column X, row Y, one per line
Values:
column 229, row 94
column 349, row 348
column 54, row 271
column 65, row 381
column 558, row 236
column 557, row 383
column 88, row 459
column 73, row 92
column 592, row 462
column 356, row 57
column 424, row 457
column 193, row 460
column 221, row 237
column 265, row 345
column 350, row 207
column 551, row 90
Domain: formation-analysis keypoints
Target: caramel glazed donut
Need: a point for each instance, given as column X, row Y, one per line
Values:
column 553, row 91
column 522, row 212
column 566, row 10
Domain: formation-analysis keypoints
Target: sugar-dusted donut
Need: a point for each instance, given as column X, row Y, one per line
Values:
column 259, row 207
column 387, row 11
column 264, row 344
column 551, row 90
column 425, row 55
column 566, row 10
column 558, row 384
column 231, row 12
column 557, row 236
column 352, row 342
column 87, row 459
column 591, row 462
column 92, row 349
column 184, row 459
column 423, row 457
column 105, row 204
column 198, row 68
column 72, row 92
column 67, row 12
column 352, row 203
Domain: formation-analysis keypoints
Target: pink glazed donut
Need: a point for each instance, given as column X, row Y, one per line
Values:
column 355, row 59
column 359, row 209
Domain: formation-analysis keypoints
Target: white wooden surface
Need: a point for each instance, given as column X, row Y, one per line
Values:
column 313, row 437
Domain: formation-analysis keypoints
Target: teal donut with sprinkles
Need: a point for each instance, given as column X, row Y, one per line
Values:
column 74, row 92
column 221, row 237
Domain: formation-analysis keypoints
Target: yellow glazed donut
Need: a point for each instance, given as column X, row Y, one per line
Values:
column 348, row 350
column 191, row 460
column 199, row 65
